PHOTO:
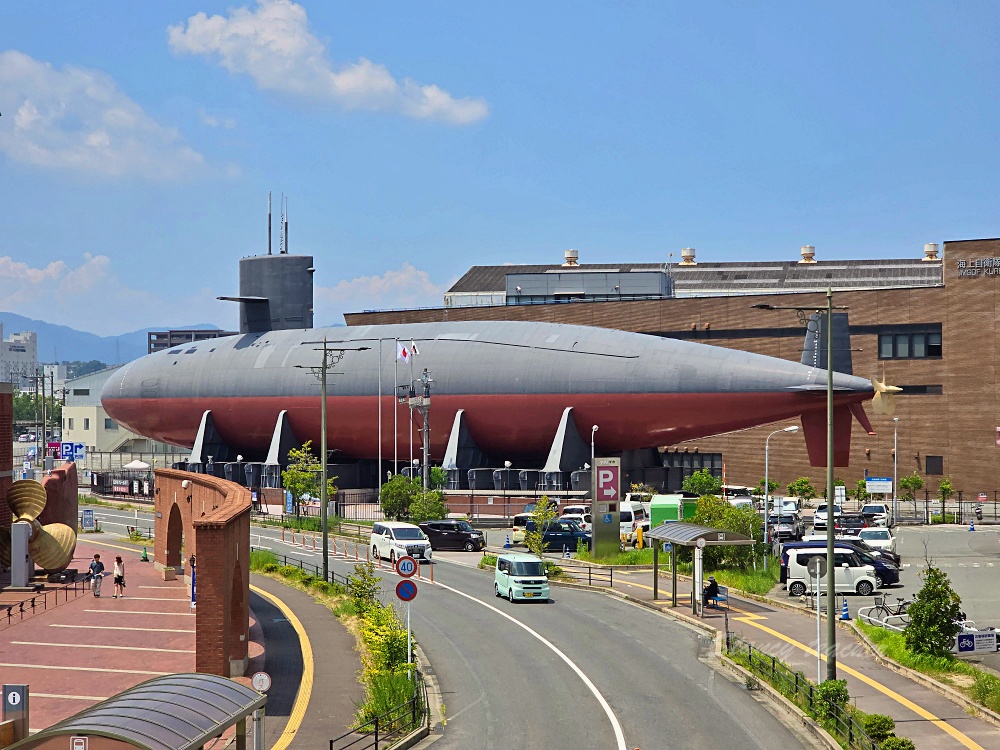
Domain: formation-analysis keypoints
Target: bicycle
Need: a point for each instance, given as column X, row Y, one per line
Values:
column 882, row 611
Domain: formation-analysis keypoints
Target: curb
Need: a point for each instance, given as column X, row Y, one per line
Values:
column 928, row 682
column 433, row 706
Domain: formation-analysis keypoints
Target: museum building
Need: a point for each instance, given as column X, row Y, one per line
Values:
column 925, row 324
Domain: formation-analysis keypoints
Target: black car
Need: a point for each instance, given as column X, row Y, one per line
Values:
column 451, row 534
column 851, row 523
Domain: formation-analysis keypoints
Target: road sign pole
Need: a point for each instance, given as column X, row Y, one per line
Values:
column 409, row 647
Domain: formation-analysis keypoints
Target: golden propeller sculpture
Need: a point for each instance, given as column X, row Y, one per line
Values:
column 50, row 546
column 884, row 403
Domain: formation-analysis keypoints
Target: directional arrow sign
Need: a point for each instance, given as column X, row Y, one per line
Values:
column 608, row 482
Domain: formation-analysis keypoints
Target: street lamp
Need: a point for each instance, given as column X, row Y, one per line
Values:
column 895, row 461
column 831, row 595
column 506, row 481
column 767, row 482
column 593, row 466
column 331, row 356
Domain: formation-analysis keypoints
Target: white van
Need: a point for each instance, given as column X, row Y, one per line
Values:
column 631, row 515
column 852, row 575
column 394, row 539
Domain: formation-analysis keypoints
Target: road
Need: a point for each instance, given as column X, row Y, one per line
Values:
column 584, row 670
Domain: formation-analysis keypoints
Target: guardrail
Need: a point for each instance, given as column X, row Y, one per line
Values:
column 797, row 687
column 386, row 729
column 315, row 570
column 11, row 614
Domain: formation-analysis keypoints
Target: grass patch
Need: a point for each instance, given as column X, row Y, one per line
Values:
column 628, row 557
column 487, row 562
column 980, row 686
column 90, row 500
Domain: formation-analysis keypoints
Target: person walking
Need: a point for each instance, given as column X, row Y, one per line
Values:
column 119, row 578
column 96, row 575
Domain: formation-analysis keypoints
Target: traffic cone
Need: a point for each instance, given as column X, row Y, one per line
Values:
column 844, row 614
column 145, row 557
column 506, row 545
column 972, row 525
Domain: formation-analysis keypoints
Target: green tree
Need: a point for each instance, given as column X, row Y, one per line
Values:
column 428, row 506
column 771, row 487
column 545, row 512
column 439, row 478
column 861, row 492
column 879, row 727
column 945, row 491
column 363, row 587
column 716, row 513
column 702, row 482
column 302, row 477
column 802, row 488
column 644, row 491
column 910, row 485
column 397, row 495
column 933, row 615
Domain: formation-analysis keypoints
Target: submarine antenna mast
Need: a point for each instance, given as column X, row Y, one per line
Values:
column 425, row 407
column 268, row 222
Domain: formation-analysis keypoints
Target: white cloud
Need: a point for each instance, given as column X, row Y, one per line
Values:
column 214, row 121
column 403, row 287
column 78, row 297
column 274, row 46
column 78, row 119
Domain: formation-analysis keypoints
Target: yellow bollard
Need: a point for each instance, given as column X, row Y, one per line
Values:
column 638, row 532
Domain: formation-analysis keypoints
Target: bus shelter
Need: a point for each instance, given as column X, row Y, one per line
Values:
column 688, row 535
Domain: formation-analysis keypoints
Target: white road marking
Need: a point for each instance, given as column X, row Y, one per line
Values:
column 119, row 627
column 82, row 669
column 70, row 697
column 138, row 612
column 615, row 724
column 94, row 645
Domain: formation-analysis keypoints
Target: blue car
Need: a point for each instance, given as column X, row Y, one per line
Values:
column 886, row 572
column 561, row 534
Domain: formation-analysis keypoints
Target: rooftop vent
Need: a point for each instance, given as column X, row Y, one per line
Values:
column 930, row 251
column 808, row 254
column 572, row 259
column 687, row 257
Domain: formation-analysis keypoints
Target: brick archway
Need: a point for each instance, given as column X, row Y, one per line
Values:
column 214, row 520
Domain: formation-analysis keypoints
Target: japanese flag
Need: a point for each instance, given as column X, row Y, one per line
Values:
column 402, row 352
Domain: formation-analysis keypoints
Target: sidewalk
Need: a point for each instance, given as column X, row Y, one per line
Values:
column 932, row 721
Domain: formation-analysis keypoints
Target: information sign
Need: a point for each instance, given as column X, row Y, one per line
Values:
column 977, row 643
column 878, row 485
column 88, row 520
column 261, row 681
column 406, row 566
column 288, row 502
column 406, row 590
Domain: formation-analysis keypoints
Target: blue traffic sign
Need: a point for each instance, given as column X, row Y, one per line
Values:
column 607, row 518
column 406, row 590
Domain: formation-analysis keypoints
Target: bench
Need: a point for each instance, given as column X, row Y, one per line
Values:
column 721, row 598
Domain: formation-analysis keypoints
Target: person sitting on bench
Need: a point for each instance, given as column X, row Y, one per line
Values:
column 710, row 591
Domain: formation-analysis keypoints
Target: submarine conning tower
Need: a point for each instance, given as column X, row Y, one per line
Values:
column 276, row 293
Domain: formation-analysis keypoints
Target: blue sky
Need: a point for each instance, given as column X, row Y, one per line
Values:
column 138, row 142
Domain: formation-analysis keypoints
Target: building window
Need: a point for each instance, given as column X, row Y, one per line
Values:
column 915, row 345
column 934, row 465
column 71, row 423
column 81, row 391
column 110, row 424
column 86, row 423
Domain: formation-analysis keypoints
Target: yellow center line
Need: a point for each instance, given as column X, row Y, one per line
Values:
column 922, row 712
column 305, row 685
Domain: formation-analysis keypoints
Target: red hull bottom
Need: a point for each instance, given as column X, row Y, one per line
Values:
column 504, row 426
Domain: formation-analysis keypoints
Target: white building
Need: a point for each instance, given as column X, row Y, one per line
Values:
column 19, row 359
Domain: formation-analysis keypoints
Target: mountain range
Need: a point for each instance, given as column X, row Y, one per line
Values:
column 58, row 343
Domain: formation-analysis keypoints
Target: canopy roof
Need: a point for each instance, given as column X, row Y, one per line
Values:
column 688, row 534
column 175, row 712
column 137, row 464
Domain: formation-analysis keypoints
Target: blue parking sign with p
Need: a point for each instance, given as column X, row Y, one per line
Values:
column 66, row 451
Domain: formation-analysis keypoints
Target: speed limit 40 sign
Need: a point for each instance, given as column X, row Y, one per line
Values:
column 406, row 566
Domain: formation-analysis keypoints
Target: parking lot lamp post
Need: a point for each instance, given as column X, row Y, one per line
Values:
column 767, row 483
column 895, row 460
column 593, row 487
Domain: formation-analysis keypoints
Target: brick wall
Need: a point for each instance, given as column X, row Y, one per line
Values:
column 216, row 529
column 959, row 425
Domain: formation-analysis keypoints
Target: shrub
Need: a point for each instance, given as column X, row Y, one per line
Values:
column 428, row 506
column 986, row 690
column 933, row 614
column 269, row 568
column 488, row 562
column 397, row 495
column 830, row 696
column 385, row 637
column 896, row 743
column 878, row 727
column 363, row 587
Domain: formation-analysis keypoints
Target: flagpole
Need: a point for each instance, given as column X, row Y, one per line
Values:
column 411, row 413
column 379, row 412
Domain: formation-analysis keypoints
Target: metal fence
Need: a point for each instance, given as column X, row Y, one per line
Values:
column 797, row 687
column 314, row 570
column 13, row 613
column 386, row 729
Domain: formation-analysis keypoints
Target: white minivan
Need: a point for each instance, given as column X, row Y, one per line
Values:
column 394, row 539
column 852, row 575
column 631, row 515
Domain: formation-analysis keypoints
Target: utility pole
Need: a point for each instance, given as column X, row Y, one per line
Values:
column 425, row 408
column 831, row 577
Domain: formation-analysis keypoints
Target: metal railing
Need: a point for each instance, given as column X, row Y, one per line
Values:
column 797, row 687
column 11, row 614
column 313, row 570
column 386, row 729
column 336, row 526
